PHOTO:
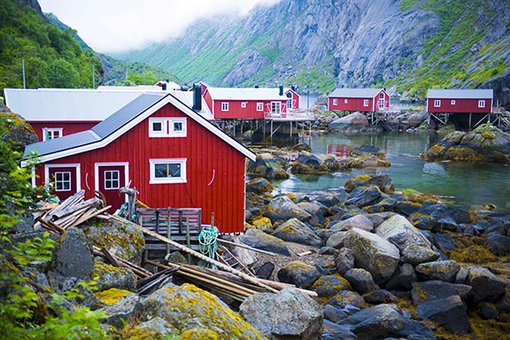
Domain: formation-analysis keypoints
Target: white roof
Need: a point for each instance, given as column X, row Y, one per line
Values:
column 250, row 93
column 171, row 86
column 355, row 93
column 66, row 104
column 460, row 94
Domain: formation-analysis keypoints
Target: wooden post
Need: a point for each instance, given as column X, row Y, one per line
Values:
column 470, row 115
column 168, row 231
column 188, row 241
column 271, row 136
column 290, row 134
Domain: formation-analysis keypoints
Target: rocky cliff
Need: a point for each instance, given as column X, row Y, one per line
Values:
column 409, row 45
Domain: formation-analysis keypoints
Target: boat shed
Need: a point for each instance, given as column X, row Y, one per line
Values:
column 172, row 155
column 460, row 101
column 359, row 99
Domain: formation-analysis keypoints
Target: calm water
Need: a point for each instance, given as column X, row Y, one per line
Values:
column 464, row 185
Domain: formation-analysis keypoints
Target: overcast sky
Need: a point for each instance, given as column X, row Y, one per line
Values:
column 120, row 25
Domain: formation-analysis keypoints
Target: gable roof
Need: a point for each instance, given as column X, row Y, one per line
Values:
column 119, row 123
column 246, row 93
column 66, row 104
column 460, row 93
column 355, row 93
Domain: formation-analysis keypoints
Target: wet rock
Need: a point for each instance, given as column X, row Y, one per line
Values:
column 73, row 255
column 504, row 302
column 385, row 205
column 282, row 208
column 330, row 285
column 373, row 253
column 288, row 314
column 259, row 186
column 260, row 240
column 439, row 270
column 377, row 322
column 347, row 298
column 449, row 312
column 434, row 289
column 344, row 261
column 330, row 199
column 191, row 310
column 379, row 296
column 416, row 118
column 364, row 196
column 407, row 208
column 337, row 239
column 316, row 210
column 498, row 244
column 383, row 182
column 399, row 231
column 264, row 224
column 333, row 331
column 361, row 280
column 486, row 286
column 268, row 166
column 358, row 221
column 265, row 270
column 415, row 254
column 403, row 278
column 296, row 231
column 310, row 159
column 298, row 273
column 127, row 309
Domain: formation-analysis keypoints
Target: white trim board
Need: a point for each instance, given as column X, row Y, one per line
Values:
column 47, row 168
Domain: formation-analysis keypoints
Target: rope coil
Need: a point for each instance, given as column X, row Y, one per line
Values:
column 207, row 240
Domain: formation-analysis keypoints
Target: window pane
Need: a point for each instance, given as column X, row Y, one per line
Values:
column 160, row 170
column 178, row 126
column 157, row 126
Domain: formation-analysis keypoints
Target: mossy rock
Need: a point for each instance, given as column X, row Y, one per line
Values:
column 263, row 223
column 108, row 276
column 111, row 296
column 330, row 285
column 298, row 273
column 415, row 196
column 299, row 168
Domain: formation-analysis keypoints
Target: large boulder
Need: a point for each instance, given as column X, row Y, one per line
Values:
column 416, row 118
column 126, row 309
column 259, row 186
column 434, row 289
column 361, row 280
column 486, row 143
column 498, row 244
column 378, row 322
column 486, row 286
column 258, row 239
column 333, row 331
column 336, row 240
column 358, row 221
column 345, row 299
column 191, row 310
column 73, row 255
column 288, row 314
column 439, row 270
column 263, row 223
column 109, row 276
column 383, row 182
column 373, row 253
column 415, row 254
column 330, row 285
column 298, row 273
column 268, row 166
column 365, row 196
column 403, row 278
column 296, row 231
column 282, row 208
column 316, row 209
column 351, row 123
column 449, row 312
column 344, row 260
column 399, row 231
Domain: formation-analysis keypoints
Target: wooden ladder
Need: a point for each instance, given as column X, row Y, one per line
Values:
column 231, row 260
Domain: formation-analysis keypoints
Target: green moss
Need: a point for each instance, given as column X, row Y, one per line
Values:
column 406, row 5
column 112, row 296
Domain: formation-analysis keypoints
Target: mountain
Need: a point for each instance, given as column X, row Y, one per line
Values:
column 407, row 45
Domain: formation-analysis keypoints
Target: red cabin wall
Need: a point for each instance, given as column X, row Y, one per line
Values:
column 461, row 106
column 354, row 104
column 215, row 170
column 250, row 112
column 69, row 127
column 208, row 99
column 295, row 99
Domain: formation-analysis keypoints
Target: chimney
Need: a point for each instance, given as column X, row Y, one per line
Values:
column 163, row 86
column 197, row 97
column 281, row 90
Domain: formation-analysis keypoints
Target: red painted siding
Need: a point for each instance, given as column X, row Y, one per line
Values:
column 357, row 104
column 69, row 127
column 460, row 106
column 215, row 170
column 295, row 99
column 235, row 110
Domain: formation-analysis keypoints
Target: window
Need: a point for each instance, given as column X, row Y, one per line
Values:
column 381, row 95
column 437, row 103
column 167, row 171
column 51, row 133
column 346, row 101
column 260, row 106
column 335, row 101
column 167, row 127
column 276, row 107
column 365, row 102
column 481, row 103
column 62, row 181
column 111, row 179
column 224, row 106
column 289, row 104
column 243, row 105
column 453, row 102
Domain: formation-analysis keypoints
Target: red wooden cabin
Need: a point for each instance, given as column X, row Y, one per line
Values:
column 460, row 101
column 363, row 100
column 172, row 155
column 54, row 113
column 248, row 103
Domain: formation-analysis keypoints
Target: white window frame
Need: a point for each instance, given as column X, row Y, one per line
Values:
column 481, row 103
column 335, row 101
column 381, row 95
column 224, row 106
column 168, row 128
column 260, row 106
column 453, row 102
column 51, row 132
column 69, row 180
column 365, row 102
column 346, row 101
column 277, row 105
column 437, row 103
column 111, row 180
column 243, row 105
column 101, row 164
column 167, row 180
column 47, row 168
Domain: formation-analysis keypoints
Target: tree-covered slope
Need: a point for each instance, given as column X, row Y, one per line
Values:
column 409, row 45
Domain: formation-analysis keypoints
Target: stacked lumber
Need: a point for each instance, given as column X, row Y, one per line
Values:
column 69, row 213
